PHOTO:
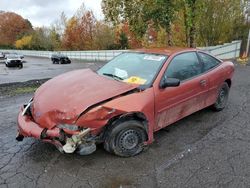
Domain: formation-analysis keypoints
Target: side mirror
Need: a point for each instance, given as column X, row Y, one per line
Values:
column 169, row 82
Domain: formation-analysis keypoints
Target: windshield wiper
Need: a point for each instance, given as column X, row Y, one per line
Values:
column 113, row 76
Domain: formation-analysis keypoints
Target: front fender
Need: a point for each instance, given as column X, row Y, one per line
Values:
column 97, row 118
column 139, row 102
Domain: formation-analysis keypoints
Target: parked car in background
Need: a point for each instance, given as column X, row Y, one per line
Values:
column 126, row 101
column 13, row 60
column 6, row 53
column 2, row 56
column 20, row 55
column 59, row 58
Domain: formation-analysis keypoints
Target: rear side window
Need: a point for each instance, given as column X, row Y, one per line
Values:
column 184, row 66
column 208, row 61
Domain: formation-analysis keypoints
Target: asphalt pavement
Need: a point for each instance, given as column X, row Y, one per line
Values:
column 39, row 68
column 206, row 149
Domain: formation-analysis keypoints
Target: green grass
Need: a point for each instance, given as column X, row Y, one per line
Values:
column 22, row 90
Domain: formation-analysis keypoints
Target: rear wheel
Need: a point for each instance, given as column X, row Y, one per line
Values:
column 125, row 139
column 222, row 98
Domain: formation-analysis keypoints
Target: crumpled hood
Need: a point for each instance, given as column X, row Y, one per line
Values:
column 63, row 98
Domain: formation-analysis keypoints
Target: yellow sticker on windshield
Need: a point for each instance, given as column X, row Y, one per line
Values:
column 135, row 80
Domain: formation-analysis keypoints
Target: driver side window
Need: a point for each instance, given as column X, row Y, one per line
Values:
column 184, row 66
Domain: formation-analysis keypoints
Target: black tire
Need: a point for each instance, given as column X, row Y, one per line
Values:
column 20, row 66
column 125, row 139
column 222, row 98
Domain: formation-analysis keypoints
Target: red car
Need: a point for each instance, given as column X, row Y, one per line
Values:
column 126, row 101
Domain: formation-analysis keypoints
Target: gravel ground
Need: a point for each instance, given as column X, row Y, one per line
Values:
column 206, row 149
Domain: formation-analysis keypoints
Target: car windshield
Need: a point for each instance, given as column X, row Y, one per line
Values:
column 59, row 55
column 134, row 68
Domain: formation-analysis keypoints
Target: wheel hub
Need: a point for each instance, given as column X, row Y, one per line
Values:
column 129, row 139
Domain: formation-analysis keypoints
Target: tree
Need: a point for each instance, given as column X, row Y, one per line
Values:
column 41, row 40
column 24, row 42
column 12, row 27
column 132, row 12
column 60, row 24
column 190, row 20
column 71, row 36
column 54, row 39
column 139, row 13
column 163, row 14
column 80, row 29
column 104, row 36
column 133, row 41
column 217, row 20
column 86, row 24
column 123, row 41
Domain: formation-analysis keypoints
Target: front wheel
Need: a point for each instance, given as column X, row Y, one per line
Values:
column 222, row 98
column 126, row 139
column 20, row 66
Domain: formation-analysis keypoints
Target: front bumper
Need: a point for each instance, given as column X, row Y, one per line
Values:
column 28, row 128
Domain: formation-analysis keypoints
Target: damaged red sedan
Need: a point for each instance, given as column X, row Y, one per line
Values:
column 126, row 101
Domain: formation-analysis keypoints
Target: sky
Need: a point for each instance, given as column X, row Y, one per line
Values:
column 45, row 12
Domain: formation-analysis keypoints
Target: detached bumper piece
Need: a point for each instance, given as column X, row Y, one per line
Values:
column 65, row 143
column 78, row 142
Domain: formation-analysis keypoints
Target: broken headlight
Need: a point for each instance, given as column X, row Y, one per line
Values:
column 27, row 108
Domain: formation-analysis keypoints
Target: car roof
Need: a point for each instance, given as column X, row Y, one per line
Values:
column 165, row 51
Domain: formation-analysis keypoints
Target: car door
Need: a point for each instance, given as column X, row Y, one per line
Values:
column 174, row 103
column 214, row 74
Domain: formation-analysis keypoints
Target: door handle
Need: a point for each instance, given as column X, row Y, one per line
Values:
column 203, row 82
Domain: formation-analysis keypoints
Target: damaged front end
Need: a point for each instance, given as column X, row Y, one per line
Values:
column 67, row 138
column 69, row 112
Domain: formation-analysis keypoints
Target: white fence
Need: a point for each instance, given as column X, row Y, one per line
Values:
column 225, row 51
column 102, row 55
